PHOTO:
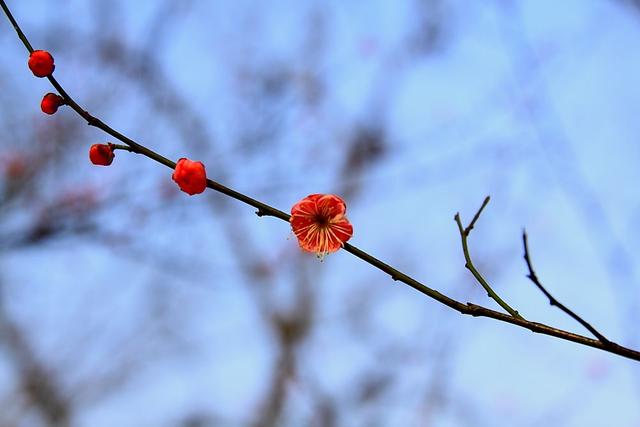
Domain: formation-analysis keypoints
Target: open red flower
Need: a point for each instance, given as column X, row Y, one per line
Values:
column 51, row 102
column 319, row 223
column 41, row 63
column 190, row 176
column 101, row 154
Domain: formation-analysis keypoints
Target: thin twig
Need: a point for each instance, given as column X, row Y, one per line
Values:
column 265, row 210
column 464, row 233
column 469, row 227
column 479, row 311
column 16, row 27
column 552, row 301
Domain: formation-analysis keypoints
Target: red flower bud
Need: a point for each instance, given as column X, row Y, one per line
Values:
column 41, row 63
column 190, row 176
column 101, row 154
column 51, row 102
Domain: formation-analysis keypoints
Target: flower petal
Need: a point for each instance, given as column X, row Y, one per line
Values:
column 301, row 221
column 331, row 206
column 306, row 206
column 343, row 230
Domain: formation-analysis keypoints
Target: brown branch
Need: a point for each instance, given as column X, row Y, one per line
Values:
column 265, row 210
column 479, row 311
column 554, row 302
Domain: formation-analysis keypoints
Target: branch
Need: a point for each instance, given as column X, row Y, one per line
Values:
column 554, row 302
column 469, row 227
column 464, row 233
column 265, row 210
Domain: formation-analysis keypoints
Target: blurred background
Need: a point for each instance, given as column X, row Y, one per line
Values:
column 124, row 302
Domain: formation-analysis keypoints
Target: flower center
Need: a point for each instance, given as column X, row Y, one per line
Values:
column 321, row 220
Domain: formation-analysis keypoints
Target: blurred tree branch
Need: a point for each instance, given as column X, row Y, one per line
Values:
column 37, row 383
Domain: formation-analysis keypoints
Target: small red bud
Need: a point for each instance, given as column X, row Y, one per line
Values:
column 51, row 102
column 41, row 63
column 101, row 154
column 190, row 176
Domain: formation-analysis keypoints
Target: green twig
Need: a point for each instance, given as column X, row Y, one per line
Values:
column 121, row 147
column 464, row 233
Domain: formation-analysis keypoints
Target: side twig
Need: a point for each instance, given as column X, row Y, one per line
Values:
column 554, row 302
column 264, row 209
column 464, row 234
